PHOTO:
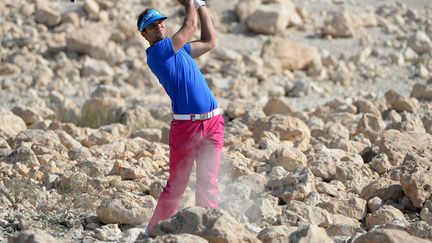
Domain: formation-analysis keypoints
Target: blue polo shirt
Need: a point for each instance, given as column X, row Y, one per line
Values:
column 181, row 78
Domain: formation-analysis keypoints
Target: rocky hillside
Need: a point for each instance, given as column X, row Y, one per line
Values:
column 328, row 110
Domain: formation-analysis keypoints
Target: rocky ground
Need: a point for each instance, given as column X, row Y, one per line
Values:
column 328, row 123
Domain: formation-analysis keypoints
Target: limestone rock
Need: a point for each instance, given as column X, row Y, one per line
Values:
column 214, row 225
column 286, row 128
column 389, row 235
column 269, row 19
column 264, row 210
column 245, row 8
column 109, row 232
column 33, row 236
column 289, row 158
column 399, row 102
column 91, row 7
column 139, row 118
column 396, row 144
column 28, row 115
column 420, row 42
column 173, row 238
column 310, row 233
column 127, row 171
column 126, row 208
column 339, row 24
column 23, row 155
column 421, row 91
column 343, row 230
column 380, row 163
column 278, row 106
column 278, row 233
column 101, row 111
column 353, row 207
column 385, row 189
column 65, row 109
column 283, row 54
column 10, row 124
column 386, row 214
column 47, row 14
column 370, row 126
column 87, row 40
column 94, row 67
column 416, row 178
column 296, row 186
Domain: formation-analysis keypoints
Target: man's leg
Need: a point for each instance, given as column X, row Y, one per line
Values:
column 208, row 164
column 182, row 155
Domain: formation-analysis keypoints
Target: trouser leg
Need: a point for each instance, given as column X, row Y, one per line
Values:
column 182, row 156
column 208, row 164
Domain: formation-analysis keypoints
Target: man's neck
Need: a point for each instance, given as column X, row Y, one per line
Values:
column 152, row 43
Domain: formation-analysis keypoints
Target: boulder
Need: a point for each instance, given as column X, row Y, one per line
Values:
column 416, row 178
column 214, row 225
column 278, row 106
column 245, row 8
column 10, row 124
column 46, row 14
column 396, row 144
column 311, row 234
column 421, row 91
column 387, row 236
column 33, row 236
column 399, row 102
column 177, row 238
column 353, row 207
column 385, row 214
column 28, row 115
column 289, row 158
column 286, row 128
column 278, row 233
column 386, row 189
column 420, row 42
column 101, row 111
column 283, row 54
column 295, row 186
column 339, row 24
column 269, row 19
column 126, row 208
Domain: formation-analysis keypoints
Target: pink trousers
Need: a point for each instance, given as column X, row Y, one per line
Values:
column 189, row 141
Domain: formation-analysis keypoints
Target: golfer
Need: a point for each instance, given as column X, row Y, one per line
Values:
column 197, row 129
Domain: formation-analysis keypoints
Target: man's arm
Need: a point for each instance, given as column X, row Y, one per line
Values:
column 181, row 37
column 208, row 34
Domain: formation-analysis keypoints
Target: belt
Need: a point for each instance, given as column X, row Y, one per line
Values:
column 197, row 117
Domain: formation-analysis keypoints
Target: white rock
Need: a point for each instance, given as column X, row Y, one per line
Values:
column 109, row 232
column 339, row 24
column 10, row 124
column 420, row 42
column 91, row 7
column 385, row 214
column 126, row 208
column 46, row 14
column 269, row 19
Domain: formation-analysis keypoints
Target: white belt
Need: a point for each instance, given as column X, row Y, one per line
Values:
column 197, row 117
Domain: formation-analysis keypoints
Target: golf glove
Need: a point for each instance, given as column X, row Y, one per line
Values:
column 199, row 3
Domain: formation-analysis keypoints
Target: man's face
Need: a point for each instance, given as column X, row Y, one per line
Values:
column 155, row 31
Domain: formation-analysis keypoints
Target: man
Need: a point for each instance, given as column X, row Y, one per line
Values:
column 197, row 129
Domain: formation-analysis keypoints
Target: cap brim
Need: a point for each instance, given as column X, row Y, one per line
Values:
column 151, row 21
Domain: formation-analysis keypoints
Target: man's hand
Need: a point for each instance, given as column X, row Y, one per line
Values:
column 199, row 3
column 184, row 2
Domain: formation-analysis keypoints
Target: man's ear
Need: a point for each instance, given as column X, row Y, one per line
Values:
column 144, row 35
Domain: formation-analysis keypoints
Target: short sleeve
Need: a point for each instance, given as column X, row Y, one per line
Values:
column 187, row 47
